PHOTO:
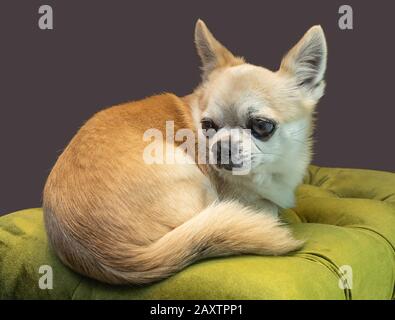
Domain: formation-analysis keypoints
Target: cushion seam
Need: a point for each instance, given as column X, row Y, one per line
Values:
column 387, row 241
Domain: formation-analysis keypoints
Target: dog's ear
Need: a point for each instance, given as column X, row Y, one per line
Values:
column 212, row 53
column 306, row 61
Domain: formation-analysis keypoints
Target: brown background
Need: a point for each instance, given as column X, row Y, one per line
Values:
column 107, row 52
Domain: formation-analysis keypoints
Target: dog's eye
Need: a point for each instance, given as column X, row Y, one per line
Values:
column 261, row 128
column 208, row 124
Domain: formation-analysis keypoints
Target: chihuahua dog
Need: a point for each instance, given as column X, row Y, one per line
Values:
column 114, row 217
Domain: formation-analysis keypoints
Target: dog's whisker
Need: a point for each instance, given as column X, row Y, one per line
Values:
column 298, row 132
column 261, row 154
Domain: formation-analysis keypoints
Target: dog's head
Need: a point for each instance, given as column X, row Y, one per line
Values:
column 257, row 118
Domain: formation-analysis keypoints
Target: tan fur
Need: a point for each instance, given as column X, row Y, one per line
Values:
column 113, row 218
column 117, row 219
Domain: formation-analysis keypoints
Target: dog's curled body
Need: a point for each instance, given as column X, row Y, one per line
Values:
column 114, row 218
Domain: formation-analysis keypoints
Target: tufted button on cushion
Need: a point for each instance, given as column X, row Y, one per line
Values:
column 346, row 216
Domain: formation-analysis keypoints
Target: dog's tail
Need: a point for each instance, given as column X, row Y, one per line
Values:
column 223, row 228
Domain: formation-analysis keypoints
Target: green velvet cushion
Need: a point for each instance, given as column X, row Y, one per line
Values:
column 347, row 217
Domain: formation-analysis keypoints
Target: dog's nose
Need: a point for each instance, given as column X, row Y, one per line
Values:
column 223, row 152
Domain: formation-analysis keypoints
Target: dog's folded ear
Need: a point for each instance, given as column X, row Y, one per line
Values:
column 306, row 61
column 212, row 53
